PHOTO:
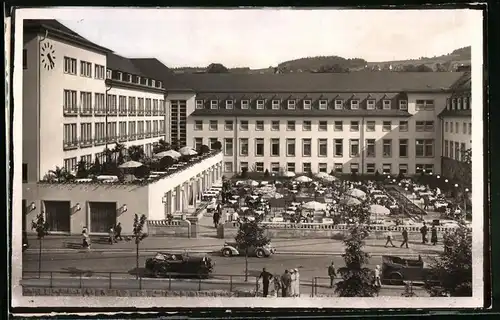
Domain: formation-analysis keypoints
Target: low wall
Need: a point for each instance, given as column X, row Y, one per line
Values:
column 174, row 228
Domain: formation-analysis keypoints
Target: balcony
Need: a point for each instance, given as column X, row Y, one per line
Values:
column 162, row 112
column 155, row 112
column 148, row 112
column 85, row 143
column 99, row 141
column 112, row 112
column 132, row 137
column 132, row 112
column 123, row 112
column 70, row 145
column 86, row 111
column 70, row 111
column 123, row 138
column 99, row 111
column 140, row 113
column 149, row 135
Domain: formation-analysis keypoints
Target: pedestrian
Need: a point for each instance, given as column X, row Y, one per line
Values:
column 423, row 231
column 112, row 236
column 216, row 218
column 118, row 231
column 378, row 282
column 86, row 239
column 285, row 283
column 266, row 277
column 293, row 282
column 405, row 238
column 297, row 282
column 434, row 235
column 389, row 238
column 277, row 285
column 332, row 274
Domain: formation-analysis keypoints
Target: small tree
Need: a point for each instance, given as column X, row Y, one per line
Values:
column 357, row 280
column 136, row 153
column 82, row 172
column 139, row 235
column 96, row 167
column 244, row 172
column 250, row 234
column 217, row 145
column 41, row 228
column 266, row 173
column 377, row 176
column 204, row 149
column 451, row 271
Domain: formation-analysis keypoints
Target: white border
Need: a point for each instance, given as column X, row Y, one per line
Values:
column 18, row 300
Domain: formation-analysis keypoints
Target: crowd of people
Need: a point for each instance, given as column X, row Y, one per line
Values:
column 285, row 285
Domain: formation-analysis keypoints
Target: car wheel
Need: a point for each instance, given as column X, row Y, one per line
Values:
column 227, row 253
column 260, row 253
column 395, row 279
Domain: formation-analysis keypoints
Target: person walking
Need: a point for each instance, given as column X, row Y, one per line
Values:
column 293, row 282
column 389, row 238
column 266, row 277
column 286, row 279
column 118, row 231
column 277, row 285
column 297, row 282
column 423, row 231
column 216, row 218
column 86, row 239
column 332, row 274
column 378, row 282
column 112, row 236
column 405, row 238
column 434, row 235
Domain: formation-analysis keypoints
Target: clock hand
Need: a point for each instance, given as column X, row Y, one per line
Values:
column 50, row 59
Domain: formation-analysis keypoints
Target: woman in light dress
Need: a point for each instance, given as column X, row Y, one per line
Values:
column 297, row 282
column 292, row 283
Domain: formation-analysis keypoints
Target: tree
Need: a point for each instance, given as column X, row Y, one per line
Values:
column 139, row 235
column 136, row 153
column 82, row 172
column 423, row 68
column 266, row 173
column 244, row 172
column 118, row 152
column 357, row 280
column 377, row 176
column 41, row 227
column 204, row 149
column 96, row 167
column 451, row 271
column 161, row 146
column 216, row 68
column 250, row 235
column 59, row 174
column 217, row 145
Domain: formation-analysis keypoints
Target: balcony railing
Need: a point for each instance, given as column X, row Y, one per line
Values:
column 85, row 143
column 155, row 112
column 162, row 112
column 70, row 145
column 99, row 141
column 70, row 111
column 123, row 112
column 132, row 137
column 148, row 112
column 140, row 113
column 123, row 138
column 112, row 112
column 99, row 111
column 132, row 112
column 86, row 111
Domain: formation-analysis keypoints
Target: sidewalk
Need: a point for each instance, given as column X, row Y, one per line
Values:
column 64, row 244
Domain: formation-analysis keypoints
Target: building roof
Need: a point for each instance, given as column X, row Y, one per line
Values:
column 299, row 113
column 455, row 113
column 463, row 83
column 119, row 63
column 320, row 82
column 55, row 28
column 153, row 67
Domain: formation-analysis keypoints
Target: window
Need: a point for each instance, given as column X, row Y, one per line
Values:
column 214, row 104
column 403, row 148
column 260, row 104
column 464, row 128
column 453, row 104
column 386, row 168
column 161, row 130
column 148, row 106
column 140, row 102
column 403, row 105
column 212, row 143
column 291, row 104
column 228, row 166
column 338, row 126
column 276, row 104
column 419, row 168
column 198, row 125
column 451, row 149
column 86, row 102
column 387, row 148
column 131, row 105
column 70, row 105
column 370, row 168
column 198, row 142
column 354, row 104
column 370, row 104
column 403, row 126
column 199, row 104
column 403, row 168
column 370, row 126
column 259, row 147
column 386, row 126
column 306, row 125
column 275, row 167
column 339, row 167
column 462, row 150
column 338, row 147
column 456, row 127
column 422, row 105
column 306, row 147
column 70, row 138
column 466, row 103
column 354, row 167
column 25, row 59
column 275, row 147
column 354, row 126
column 244, row 147
column 85, row 134
column 155, row 128
column 323, row 104
column 86, row 69
column 457, row 151
column 99, row 71
column 229, row 104
column 446, row 126
column 108, row 75
column 446, row 148
column 228, row 146
column 70, row 164
column 213, row 125
column 229, row 125
column 122, row 105
column 451, row 127
column 244, row 125
column 131, row 130
column 259, row 125
column 275, row 125
column 244, row 104
column 69, row 65
column 307, row 104
column 424, row 148
column 370, row 148
column 290, row 125
column 322, row 167
column 290, row 147
column 259, row 166
column 339, row 104
column 354, row 146
column 470, row 128
column 306, row 167
column 386, row 105
column 427, row 126
column 459, row 104
column 322, row 147
column 322, row 126
column 243, row 166
column 290, row 166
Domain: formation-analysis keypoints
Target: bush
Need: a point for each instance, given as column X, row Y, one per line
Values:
column 217, row 145
column 266, row 173
column 332, row 173
column 244, row 172
column 204, row 149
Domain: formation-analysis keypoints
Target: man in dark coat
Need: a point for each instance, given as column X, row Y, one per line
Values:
column 266, row 277
column 332, row 274
column 216, row 218
column 434, row 235
column 118, row 231
column 423, row 231
column 405, row 238
column 286, row 281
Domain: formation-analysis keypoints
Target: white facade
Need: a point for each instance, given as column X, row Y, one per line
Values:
column 457, row 136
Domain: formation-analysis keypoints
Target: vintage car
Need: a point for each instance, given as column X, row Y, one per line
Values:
column 232, row 249
column 396, row 270
column 179, row 265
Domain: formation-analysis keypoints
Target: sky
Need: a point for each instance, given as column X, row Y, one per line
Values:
column 259, row 38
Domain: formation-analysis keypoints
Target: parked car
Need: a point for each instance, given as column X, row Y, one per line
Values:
column 232, row 249
column 396, row 270
column 165, row 264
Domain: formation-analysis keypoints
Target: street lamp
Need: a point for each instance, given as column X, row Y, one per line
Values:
column 465, row 202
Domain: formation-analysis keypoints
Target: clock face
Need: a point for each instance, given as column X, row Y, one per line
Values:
column 48, row 56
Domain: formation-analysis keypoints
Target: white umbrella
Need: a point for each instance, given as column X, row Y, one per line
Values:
column 252, row 183
column 379, row 210
column 329, row 178
column 356, row 193
column 303, row 179
column 321, row 175
column 169, row 153
column 350, row 201
column 314, row 205
column 289, row 174
column 187, row 151
column 130, row 164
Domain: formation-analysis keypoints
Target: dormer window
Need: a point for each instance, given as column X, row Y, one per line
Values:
column 276, row 104
column 260, row 104
column 466, row 103
column 323, row 104
column 153, row 83
column 229, row 104
column 159, row 84
column 128, row 77
column 199, row 104
column 108, row 74
column 448, row 103
column 244, row 104
column 354, row 104
column 459, row 104
column 291, row 104
column 214, row 104
column 370, row 104
column 339, row 104
column 453, row 104
column 144, row 81
column 119, row 76
column 387, row 104
column 403, row 105
column 307, row 104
